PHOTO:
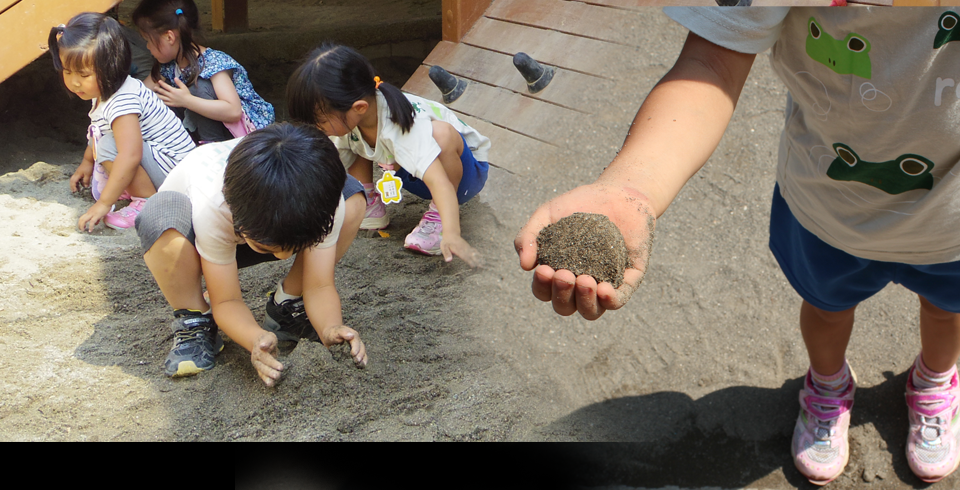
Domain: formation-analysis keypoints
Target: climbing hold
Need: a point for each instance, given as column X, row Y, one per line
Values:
column 450, row 86
column 536, row 75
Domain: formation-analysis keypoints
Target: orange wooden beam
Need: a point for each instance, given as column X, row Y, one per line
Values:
column 459, row 16
column 229, row 15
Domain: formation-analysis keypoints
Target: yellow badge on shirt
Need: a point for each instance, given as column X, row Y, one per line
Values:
column 389, row 187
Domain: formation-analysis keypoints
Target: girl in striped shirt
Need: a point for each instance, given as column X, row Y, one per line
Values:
column 134, row 140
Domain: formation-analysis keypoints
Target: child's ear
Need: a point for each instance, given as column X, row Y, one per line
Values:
column 360, row 106
column 169, row 37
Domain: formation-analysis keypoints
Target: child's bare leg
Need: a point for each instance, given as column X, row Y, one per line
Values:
column 826, row 335
column 140, row 186
column 939, row 337
column 362, row 170
column 175, row 265
column 355, row 207
column 451, row 147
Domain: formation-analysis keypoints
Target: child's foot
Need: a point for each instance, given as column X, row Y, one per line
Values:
column 425, row 238
column 126, row 217
column 195, row 342
column 819, row 447
column 375, row 217
column 288, row 320
column 932, row 441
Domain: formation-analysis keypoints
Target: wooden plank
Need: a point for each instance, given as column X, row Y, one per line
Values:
column 25, row 27
column 229, row 15
column 531, row 117
column 577, row 18
column 459, row 16
column 509, row 150
column 568, row 88
column 512, row 151
column 5, row 4
column 553, row 48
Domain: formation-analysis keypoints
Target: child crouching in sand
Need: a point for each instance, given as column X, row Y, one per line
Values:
column 275, row 193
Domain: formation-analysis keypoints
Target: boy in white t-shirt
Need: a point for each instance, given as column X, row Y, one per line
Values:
column 275, row 193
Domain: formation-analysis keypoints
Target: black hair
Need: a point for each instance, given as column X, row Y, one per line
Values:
column 283, row 185
column 332, row 78
column 92, row 41
column 154, row 17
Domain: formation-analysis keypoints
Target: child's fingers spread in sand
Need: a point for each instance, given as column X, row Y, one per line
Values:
column 343, row 333
column 263, row 358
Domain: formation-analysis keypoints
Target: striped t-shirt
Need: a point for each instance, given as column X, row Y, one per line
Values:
column 162, row 131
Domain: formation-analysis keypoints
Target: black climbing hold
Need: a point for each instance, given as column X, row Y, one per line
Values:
column 450, row 86
column 536, row 75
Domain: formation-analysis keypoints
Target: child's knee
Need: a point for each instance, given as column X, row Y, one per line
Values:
column 356, row 206
column 447, row 136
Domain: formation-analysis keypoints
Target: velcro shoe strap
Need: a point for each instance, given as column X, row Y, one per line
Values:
column 930, row 405
column 808, row 401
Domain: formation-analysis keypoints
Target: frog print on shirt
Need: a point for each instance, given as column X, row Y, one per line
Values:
column 947, row 29
column 904, row 173
column 850, row 55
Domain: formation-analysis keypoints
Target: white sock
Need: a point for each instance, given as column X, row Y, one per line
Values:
column 280, row 296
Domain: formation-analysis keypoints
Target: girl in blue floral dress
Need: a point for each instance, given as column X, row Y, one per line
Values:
column 207, row 88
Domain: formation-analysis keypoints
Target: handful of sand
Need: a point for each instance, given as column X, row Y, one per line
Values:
column 585, row 243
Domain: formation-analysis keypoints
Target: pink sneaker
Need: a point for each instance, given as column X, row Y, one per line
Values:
column 819, row 448
column 425, row 238
column 126, row 217
column 932, row 441
column 375, row 218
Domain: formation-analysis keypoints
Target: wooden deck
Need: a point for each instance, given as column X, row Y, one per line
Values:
column 581, row 40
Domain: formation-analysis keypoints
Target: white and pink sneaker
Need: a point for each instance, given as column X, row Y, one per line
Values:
column 932, row 443
column 375, row 217
column 820, row 446
column 126, row 217
column 425, row 238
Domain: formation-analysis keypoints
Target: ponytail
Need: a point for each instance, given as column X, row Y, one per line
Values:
column 94, row 42
column 332, row 78
column 155, row 17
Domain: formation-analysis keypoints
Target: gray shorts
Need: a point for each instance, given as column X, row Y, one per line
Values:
column 204, row 128
column 107, row 152
column 173, row 210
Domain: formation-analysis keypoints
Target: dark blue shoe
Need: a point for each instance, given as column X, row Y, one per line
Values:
column 195, row 342
column 288, row 320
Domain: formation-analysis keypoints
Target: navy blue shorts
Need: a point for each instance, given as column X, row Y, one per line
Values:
column 834, row 280
column 474, row 177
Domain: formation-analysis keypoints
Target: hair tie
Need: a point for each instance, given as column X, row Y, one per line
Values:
column 179, row 12
column 377, row 81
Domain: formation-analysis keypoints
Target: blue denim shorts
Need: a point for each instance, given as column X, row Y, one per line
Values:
column 474, row 177
column 834, row 280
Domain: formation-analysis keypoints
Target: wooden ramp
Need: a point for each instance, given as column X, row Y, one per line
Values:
column 25, row 26
column 582, row 40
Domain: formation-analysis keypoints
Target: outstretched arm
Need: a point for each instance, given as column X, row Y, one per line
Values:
column 235, row 319
column 677, row 128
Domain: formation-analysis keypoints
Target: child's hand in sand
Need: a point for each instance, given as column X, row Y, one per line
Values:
column 263, row 356
column 342, row 333
column 456, row 245
column 627, row 208
column 81, row 176
column 93, row 216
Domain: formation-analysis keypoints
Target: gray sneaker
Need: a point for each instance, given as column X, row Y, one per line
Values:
column 195, row 342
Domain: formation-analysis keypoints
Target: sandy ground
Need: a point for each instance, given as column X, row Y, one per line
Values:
column 694, row 383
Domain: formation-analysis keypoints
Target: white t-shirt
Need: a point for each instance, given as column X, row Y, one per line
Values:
column 200, row 177
column 414, row 150
column 868, row 155
column 162, row 131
